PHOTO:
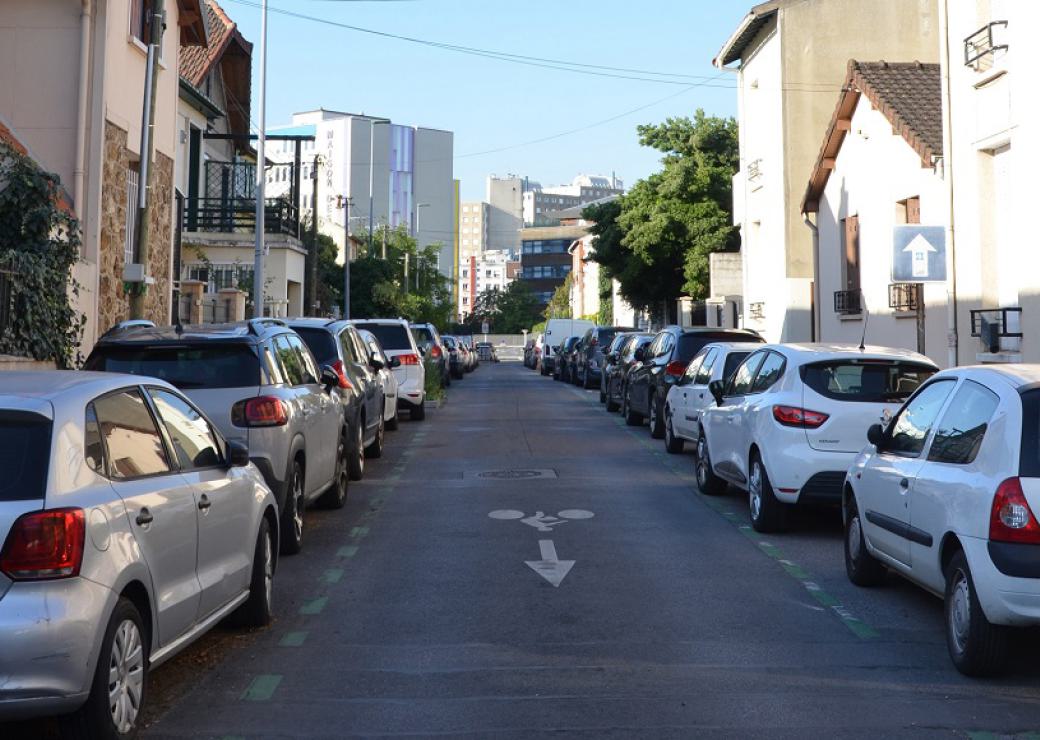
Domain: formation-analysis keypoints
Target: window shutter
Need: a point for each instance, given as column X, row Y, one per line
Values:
column 852, row 253
column 913, row 210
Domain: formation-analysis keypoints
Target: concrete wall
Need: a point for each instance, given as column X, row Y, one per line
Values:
column 725, row 270
column 434, row 184
column 505, row 212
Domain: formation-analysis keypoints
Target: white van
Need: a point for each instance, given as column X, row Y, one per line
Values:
column 557, row 330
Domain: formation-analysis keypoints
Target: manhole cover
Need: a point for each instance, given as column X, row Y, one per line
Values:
column 512, row 474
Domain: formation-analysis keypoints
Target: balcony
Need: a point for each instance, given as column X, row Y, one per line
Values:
column 227, row 204
column 904, row 296
column 848, row 302
column 980, row 49
column 994, row 324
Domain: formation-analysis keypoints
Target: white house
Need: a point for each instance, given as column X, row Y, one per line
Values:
column 876, row 170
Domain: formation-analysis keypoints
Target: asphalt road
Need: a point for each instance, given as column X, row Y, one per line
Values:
column 415, row 612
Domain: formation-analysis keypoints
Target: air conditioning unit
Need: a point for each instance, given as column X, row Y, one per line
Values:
column 989, row 333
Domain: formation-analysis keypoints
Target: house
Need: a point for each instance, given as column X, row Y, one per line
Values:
column 992, row 145
column 72, row 91
column 216, row 188
column 876, row 179
column 789, row 58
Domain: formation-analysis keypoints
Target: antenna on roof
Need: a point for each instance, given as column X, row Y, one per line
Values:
column 866, row 320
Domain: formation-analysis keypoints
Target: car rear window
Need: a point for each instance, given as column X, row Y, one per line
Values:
column 191, row 366
column 691, row 344
column 606, row 336
column 423, row 336
column 25, row 449
column 1029, row 457
column 391, row 336
column 321, row 344
column 866, row 381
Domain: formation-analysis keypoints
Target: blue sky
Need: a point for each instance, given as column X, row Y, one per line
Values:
column 491, row 104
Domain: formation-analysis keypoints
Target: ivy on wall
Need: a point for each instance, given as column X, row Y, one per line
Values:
column 39, row 244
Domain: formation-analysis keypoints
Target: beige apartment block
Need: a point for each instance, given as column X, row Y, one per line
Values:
column 789, row 58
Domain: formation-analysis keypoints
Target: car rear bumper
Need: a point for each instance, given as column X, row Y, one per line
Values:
column 802, row 475
column 1006, row 599
column 50, row 632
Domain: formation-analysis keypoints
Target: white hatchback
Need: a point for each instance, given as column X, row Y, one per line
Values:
column 397, row 340
column 946, row 496
column 689, row 394
column 790, row 422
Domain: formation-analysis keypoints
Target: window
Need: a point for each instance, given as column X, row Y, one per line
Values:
column 770, row 371
column 322, row 344
column 193, row 440
column 850, row 246
column 289, row 359
column 866, row 382
column 959, row 434
column 907, row 433
column 310, row 370
column 25, row 452
column 131, row 437
column 733, row 360
column 909, row 211
column 133, row 184
column 193, row 366
column 93, row 448
column 696, row 364
column 391, row 336
column 665, row 346
column 704, row 372
column 140, row 20
column 741, row 383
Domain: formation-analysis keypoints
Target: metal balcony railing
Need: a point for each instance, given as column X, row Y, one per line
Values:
column 1006, row 322
column 982, row 44
column 238, row 215
column 848, row 302
column 903, row 296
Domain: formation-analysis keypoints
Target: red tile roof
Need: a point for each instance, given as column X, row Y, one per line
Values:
column 198, row 61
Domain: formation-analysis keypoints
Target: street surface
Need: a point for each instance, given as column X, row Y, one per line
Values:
column 458, row 594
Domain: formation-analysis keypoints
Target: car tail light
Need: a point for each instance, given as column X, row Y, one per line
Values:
column 435, row 351
column 262, row 411
column 675, row 369
column 44, row 545
column 341, row 371
column 792, row 416
column 1011, row 519
column 409, row 359
column 537, row 351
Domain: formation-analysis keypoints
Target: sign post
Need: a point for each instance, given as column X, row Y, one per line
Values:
column 484, row 329
column 918, row 257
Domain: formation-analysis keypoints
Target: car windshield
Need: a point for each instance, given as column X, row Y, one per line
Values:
column 193, row 366
column 866, row 381
column 391, row 336
column 25, row 447
column 321, row 343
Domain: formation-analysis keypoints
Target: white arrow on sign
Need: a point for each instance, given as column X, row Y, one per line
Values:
column 550, row 567
column 919, row 247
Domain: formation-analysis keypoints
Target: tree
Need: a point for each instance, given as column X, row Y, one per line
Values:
column 560, row 304
column 517, row 308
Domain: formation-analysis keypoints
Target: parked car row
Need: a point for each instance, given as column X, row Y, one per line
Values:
column 937, row 474
column 147, row 498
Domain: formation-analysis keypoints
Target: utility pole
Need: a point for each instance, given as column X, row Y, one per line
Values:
column 144, row 187
column 406, row 272
column 312, row 282
column 261, row 174
column 345, row 201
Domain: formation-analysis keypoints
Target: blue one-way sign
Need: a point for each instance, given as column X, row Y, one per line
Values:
column 918, row 254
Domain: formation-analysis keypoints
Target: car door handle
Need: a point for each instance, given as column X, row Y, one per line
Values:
column 144, row 517
column 904, row 484
column 204, row 502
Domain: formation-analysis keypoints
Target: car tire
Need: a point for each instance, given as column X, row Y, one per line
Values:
column 392, row 422
column 767, row 512
column 632, row 418
column 862, row 568
column 375, row 450
column 257, row 610
column 291, row 539
column 708, row 483
column 656, row 420
column 97, row 718
column 418, row 413
column 543, row 371
column 356, row 466
column 336, row 496
column 602, row 392
column 586, row 381
column 672, row 444
column 977, row 646
column 612, row 405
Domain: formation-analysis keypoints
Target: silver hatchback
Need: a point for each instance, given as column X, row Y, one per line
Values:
column 130, row 527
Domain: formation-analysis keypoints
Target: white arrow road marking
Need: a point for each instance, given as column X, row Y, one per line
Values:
column 550, row 567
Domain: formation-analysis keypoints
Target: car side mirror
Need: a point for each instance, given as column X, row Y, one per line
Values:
column 329, row 378
column 639, row 355
column 395, row 361
column 237, row 454
column 717, row 387
column 876, row 435
column 375, row 362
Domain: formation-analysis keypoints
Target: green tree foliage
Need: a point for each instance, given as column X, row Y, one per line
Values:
column 39, row 243
column 560, row 304
column 655, row 240
column 606, row 300
column 508, row 311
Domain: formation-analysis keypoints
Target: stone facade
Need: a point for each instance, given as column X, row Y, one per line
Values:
column 113, row 304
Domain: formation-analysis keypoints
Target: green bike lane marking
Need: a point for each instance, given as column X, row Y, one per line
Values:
column 293, row 639
column 262, row 687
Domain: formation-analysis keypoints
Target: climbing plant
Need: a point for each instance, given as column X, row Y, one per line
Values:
column 39, row 244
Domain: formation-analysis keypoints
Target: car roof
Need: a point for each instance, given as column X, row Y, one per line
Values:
column 248, row 332
column 63, row 386
column 733, row 346
column 809, row 351
column 354, row 322
column 1014, row 374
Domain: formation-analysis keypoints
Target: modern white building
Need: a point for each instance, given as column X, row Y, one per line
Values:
column 392, row 174
column 484, row 272
column 473, row 229
column 505, row 212
column 539, row 204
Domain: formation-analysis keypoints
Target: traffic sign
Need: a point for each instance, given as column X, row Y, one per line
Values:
column 918, row 254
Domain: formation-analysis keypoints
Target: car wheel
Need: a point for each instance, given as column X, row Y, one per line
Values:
column 632, row 418
column 375, row 449
column 709, row 483
column 543, row 371
column 392, row 423
column 612, row 405
column 336, row 496
column 862, row 568
column 977, row 646
column 357, row 451
column 292, row 512
column 656, row 422
column 257, row 610
column 672, row 443
column 602, row 392
column 418, row 413
column 767, row 512
column 119, row 686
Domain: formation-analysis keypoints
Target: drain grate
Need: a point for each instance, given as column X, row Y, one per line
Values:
column 513, row 474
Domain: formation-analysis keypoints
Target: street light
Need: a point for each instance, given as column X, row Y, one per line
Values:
column 372, row 175
column 261, row 174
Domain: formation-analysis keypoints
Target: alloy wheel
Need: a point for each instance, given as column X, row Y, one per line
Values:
column 653, row 415
column 268, row 571
column 360, row 447
column 126, row 676
column 702, row 463
column 755, row 490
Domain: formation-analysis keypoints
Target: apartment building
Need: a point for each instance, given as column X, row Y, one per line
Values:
column 490, row 270
column 541, row 204
column 473, row 229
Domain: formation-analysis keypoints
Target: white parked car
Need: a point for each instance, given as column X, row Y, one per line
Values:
column 397, row 340
column 946, row 495
column 689, row 394
column 789, row 423
column 386, row 376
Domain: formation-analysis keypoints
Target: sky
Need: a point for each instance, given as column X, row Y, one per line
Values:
column 491, row 104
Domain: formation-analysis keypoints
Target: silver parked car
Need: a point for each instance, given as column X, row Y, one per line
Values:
column 130, row 527
column 386, row 367
column 260, row 384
